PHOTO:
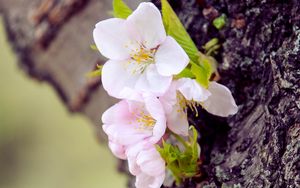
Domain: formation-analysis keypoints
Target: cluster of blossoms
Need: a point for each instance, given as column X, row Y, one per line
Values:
column 140, row 71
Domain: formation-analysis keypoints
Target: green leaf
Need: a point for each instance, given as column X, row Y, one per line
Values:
column 94, row 47
column 200, row 68
column 211, row 46
column 220, row 21
column 203, row 72
column 175, row 29
column 181, row 163
column 185, row 73
column 211, row 43
column 95, row 73
column 121, row 10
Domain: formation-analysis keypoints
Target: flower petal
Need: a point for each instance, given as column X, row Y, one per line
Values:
column 147, row 22
column 126, row 134
column 150, row 162
column 170, row 58
column 113, row 40
column 117, row 113
column 117, row 79
column 117, row 149
column 221, row 102
column 151, row 81
column 155, row 108
column 144, row 181
column 191, row 90
column 177, row 121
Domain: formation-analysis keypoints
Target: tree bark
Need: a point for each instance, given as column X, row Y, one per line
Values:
column 259, row 62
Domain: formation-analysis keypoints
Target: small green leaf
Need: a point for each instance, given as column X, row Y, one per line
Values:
column 211, row 43
column 94, row 47
column 203, row 72
column 182, row 163
column 220, row 21
column 121, row 10
column 95, row 73
column 185, row 73
column 175, row 29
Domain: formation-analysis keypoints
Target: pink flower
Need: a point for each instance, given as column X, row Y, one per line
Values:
column 187, row 93
column 142, row 57
column 147, row 165
column 130, row 122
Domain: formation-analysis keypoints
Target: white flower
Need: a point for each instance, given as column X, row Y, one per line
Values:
column 141, row 56
column 187, row 93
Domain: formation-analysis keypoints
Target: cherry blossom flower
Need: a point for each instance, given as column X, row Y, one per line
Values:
column 147, row 165
column 141, row 56
column 130, row 122
column 187, row 93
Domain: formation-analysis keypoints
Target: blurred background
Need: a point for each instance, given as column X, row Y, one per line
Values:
column 42, row 145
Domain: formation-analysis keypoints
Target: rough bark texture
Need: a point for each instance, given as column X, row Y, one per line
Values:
column 259, row 62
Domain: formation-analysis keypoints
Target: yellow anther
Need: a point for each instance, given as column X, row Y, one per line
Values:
column 185, row 104
column 142, row 57
column 145, row 121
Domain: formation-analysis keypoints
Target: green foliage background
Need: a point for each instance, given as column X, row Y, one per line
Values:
column 41, row 144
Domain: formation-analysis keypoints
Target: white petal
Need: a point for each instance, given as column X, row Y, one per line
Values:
column 117, row 80
column 154, row 106
column 169, row 99
column 221, row 102
column 147, row 22
column 177, row 121
column 191, row 90
column 151, row 81
column 170, row 58
column 158, row 181
column 113, row 40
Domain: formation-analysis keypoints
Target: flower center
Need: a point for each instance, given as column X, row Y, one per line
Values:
column 185, row 104
column 142, row 58
column 145, row 121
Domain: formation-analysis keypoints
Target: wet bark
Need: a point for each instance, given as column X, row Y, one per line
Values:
column 259, row 62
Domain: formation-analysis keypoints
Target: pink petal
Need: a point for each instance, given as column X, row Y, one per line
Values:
column 117, row 113
column 221, row 102
column 146, row 21
column 126, row 134
column 170, row 58
column 169, row 99
column 113, row 39
column 177, row 121
column 144, row 181
column 117, row 149
column 151, row 162
column 155, row 108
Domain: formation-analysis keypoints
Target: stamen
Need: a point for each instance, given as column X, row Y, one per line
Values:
column 185, row 104
column 145, row 121
column 142, row 58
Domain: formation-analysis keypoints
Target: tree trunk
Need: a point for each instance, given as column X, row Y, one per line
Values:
column 259, row 62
